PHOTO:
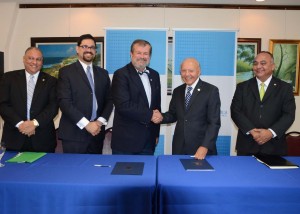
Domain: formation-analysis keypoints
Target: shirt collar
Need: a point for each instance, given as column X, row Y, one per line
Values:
column 35, row 75
column 85, row 66
column 267, row 82
column 194, row 84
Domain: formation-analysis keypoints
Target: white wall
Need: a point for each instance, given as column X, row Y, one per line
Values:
column 19, row 25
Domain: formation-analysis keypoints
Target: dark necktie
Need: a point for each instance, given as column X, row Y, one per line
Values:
column 188, row 96
column 89, row 76
column 143, row 72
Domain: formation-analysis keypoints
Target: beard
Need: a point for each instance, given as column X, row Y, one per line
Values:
column 88, row 56
column 140, row 64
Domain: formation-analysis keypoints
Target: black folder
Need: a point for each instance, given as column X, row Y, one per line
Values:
column 196, row 165
column 128, row 168
column 275, row 162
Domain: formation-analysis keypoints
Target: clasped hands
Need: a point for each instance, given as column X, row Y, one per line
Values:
column 156, row 117
column 261, row 136
column 94, row 127
column 27, row 128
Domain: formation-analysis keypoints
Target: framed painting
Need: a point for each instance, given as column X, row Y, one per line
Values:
column 247, row 49
column 61, row 51
column 286, row 57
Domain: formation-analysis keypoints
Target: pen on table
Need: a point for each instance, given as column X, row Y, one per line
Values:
column 99, row 165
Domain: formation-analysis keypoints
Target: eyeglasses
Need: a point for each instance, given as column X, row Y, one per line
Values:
column 85, row 47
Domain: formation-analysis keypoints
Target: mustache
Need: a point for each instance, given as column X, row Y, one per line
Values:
column 88, row 53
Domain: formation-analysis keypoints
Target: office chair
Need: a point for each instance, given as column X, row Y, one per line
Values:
column 106, row 144
column 293, row 143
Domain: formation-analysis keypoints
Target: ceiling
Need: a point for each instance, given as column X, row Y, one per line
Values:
column 224, row 2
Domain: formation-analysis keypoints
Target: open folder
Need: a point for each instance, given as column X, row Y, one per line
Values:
column 26, row 157
column 275, row 162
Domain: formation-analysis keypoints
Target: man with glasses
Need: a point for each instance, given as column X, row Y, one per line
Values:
column 83, row 93
column 263, row 108
column 28, row 106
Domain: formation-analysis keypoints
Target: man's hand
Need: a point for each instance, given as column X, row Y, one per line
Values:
column 156, row 117
column 94, row 127
column 201, row 153
column 261, row 136
column 27, row 128
column 265, row 136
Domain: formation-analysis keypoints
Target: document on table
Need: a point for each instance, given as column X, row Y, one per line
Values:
column 128, row 168
column 275, row 162
column 26, row 157
column 196, row 165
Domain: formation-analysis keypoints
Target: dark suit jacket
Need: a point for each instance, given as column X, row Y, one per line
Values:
column 275, row 111
column 13, row 109
column 132, row 126
column 75, row 100
column 198, row 125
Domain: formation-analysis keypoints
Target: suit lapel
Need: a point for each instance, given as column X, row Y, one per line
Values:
column 271, row 88
column 97, row 78
column 82, row 74
column 254, row 88
column 182, row 97
column 40, row 83
column 153, row 86
column 21, row 82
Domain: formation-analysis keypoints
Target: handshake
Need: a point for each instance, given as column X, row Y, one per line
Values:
column 156, row 117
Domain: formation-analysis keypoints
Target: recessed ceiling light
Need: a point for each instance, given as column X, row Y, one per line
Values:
column 260, row 0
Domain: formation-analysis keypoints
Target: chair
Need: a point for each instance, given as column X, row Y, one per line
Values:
column 106, row 144
column 293, row 143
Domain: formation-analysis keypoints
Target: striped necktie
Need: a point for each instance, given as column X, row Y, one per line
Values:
column 188, row 96
column 262, row 91
column 30, row 90
column 90, row 78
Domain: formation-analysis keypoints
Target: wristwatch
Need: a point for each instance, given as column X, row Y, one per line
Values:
column 35, row 123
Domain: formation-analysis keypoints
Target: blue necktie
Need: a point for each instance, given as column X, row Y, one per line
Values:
column 89, row 76
column 188, row 96
column 30, row 90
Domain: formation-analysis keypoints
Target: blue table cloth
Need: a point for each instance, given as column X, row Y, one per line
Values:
column 237, row 185
column 70, row 183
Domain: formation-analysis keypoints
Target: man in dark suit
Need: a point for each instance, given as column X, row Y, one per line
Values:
column 136, row 93
column 28, row 106
column 84, row 99
column 263, row 108
column 195, row 105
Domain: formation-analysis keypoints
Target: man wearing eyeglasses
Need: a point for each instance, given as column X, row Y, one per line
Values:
column 28, row 106
column 263, row 108
column 83, row 93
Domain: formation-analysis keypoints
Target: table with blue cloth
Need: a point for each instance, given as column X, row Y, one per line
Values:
column 237, row 185
column 71, row 184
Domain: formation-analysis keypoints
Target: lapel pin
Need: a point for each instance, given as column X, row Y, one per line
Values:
column 198, row 89
column 275, row 84
column 43, row 80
